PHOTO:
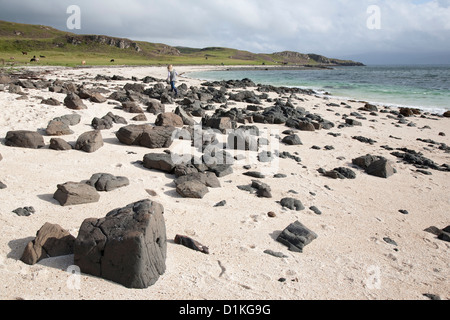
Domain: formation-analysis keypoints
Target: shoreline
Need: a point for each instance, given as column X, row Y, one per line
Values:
column 435, row 111
column 323, row 93
column 366, row 248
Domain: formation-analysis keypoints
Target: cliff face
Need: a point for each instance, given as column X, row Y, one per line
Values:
column 113, row 42
column 299, row 58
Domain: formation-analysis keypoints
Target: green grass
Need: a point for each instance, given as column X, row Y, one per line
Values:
column 39, row 41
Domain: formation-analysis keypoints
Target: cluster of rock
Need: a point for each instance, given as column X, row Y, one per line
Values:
column 76, row 193
column 129, row 245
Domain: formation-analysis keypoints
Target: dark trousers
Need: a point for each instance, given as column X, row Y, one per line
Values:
column 172, row 84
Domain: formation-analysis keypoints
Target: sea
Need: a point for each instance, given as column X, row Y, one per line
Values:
column 426, row 87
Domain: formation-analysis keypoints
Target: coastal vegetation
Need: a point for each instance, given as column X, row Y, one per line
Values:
column 24, row 44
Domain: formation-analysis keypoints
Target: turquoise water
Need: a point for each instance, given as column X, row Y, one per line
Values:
column 424, row 87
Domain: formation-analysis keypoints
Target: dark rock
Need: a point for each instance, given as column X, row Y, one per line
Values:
column 432, row 296
column 404, row 211
column 220, row 204
column 51, row 241
column 390, row 241
column 192, row 189
column 306, row 126
column 59, row 144
column 128, row 246
column 2, row 185
column 107, row 121
column 24, row 139
column 24, row 212
column 275, row 254
column 159, row 161
column 254, row 174
column 292, row 204
column 73, row 193
column 131, row 107
column 364, row 140
column 339, row 173
column 380, row 168
column 221, row 170
column 139, row 117
column 107, row 182
column 51, row 102
column 57, row 128
column 222, row 124
column 184, row 169
column 444, row 234
column 97, row 97
column 292, row 140
column 209, row 179
column 89, row 141
column 296, row 236
column 70, row 119
column 353, row 122
column 187, row 119
column 315, row 210
column 73, row 101
column 369, row 107
column 146, row 136
column 365, row 161
column 263, row 190
column 155, row 107
column 169, row 119
column 191, row 244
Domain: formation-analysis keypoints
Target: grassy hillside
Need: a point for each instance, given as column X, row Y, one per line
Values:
column 55, row 47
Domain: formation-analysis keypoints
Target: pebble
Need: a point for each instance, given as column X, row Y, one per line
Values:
column 315, row 210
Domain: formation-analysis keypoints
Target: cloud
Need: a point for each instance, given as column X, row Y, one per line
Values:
column 334, row 28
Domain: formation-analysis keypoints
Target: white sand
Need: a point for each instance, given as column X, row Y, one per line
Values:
column 348, row 260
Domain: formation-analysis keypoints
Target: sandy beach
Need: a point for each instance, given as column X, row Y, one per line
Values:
column 365, row 249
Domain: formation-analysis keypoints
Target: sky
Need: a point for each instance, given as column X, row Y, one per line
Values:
column 369, row 31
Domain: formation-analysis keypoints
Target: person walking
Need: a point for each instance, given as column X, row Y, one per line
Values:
column 172, row 79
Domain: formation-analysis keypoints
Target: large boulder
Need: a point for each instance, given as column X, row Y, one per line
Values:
column 89, row 141
column 75, row 193
column 51, row 241
column 169, row 119
column 24, row 139
column 296, row 236
column 128, row 246
column 146, row 136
